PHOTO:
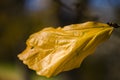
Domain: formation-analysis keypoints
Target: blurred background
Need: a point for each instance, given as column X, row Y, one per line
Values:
column 20, row 18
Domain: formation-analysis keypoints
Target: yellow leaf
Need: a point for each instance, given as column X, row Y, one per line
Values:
column 51, row 51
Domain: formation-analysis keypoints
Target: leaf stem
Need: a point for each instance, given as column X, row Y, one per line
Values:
column 115, row 25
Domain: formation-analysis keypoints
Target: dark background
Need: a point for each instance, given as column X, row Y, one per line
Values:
column 20, row 18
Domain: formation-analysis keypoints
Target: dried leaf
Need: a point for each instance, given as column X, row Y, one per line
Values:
column 51, row 51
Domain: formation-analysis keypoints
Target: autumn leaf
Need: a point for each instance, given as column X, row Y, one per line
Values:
column 54, row 50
